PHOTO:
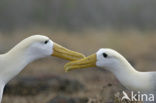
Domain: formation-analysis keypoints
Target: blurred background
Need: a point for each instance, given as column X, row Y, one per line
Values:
column 127, row 26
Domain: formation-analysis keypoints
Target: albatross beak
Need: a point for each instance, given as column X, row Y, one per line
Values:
column 86, row 62
column 64, row 53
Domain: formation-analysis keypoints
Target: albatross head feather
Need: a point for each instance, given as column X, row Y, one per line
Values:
column 36, row 46
column 109, row 59
column 39, row 46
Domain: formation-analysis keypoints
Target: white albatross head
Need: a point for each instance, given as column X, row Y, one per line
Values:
column 109, row 59
column 104, row 58
column 38, row 46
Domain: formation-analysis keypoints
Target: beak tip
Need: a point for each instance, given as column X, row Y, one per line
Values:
column 67, row 70
column 81, row 56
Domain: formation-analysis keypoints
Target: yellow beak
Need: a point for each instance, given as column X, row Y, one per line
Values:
column 86, row 62
column 64, row 53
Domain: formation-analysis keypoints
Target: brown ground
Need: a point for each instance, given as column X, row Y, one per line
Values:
column 138, row 47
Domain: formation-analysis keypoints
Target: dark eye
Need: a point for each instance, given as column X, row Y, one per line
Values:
column 46, row 41
column 105, row 55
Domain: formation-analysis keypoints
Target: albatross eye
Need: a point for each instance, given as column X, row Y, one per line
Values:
column 46, row 41
column 105, row 55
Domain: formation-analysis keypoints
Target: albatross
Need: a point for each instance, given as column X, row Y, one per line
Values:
column 111, row 60
column 28, row 50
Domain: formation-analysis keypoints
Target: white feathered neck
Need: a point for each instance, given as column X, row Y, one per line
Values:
column 133, row 79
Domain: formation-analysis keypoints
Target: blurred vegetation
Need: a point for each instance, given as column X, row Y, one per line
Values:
column 77, row 14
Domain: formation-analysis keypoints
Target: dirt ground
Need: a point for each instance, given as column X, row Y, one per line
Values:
column 138, row 47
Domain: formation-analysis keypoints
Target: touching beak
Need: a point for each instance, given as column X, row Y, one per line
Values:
column 86, row 62
column 64, row 53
